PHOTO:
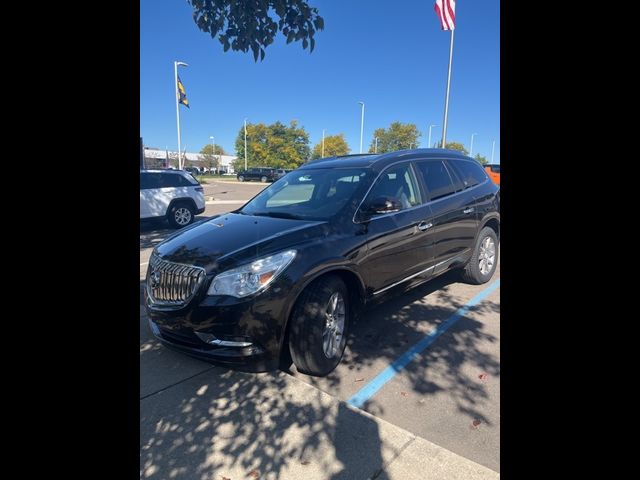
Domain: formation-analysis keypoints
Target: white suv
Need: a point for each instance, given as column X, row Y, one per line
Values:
column 171, row 194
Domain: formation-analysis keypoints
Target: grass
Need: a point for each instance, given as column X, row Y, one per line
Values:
column 203, row 178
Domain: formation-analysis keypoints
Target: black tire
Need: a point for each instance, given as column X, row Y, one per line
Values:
column 263, row 179
column 181, row 214
column 472, row 272
column 241, row 178
column 307, row 324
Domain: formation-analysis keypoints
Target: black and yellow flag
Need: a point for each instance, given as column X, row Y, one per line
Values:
column 182, row 93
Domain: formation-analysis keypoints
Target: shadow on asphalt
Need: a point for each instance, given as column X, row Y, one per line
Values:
column 387, row 329
column 189, row 435
column 250, row 425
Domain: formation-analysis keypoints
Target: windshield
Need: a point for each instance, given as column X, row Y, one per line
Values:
column 309, row 194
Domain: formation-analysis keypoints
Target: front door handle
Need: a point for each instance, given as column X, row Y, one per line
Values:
column 468, row 210
column 424, row 226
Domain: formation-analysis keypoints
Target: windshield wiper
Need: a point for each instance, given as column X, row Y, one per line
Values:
column 277, row 215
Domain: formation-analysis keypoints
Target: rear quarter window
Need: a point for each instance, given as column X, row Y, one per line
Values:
column 470, row 172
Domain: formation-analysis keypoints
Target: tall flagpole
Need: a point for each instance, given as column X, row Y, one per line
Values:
column 175, row 72
column 446, row 101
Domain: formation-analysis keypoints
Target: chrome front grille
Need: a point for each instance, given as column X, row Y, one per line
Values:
column 171, row 283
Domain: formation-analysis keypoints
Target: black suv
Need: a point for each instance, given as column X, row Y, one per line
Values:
column 261, row 174
column 286, row 273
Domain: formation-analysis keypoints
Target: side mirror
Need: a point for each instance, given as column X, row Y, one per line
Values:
column 383, row 205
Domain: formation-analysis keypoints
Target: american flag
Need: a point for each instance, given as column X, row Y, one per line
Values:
column 446, row 11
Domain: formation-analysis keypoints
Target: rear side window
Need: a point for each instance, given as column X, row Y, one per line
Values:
column 185, row 181
column 436, row 178
column 470, row 172
column 494, row 168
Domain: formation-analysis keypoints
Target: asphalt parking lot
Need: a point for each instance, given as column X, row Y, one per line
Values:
column 203, row 421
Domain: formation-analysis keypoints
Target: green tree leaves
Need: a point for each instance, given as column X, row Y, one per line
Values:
column 457, row 146
column 334, row 145
column 276, row 145
column 399, row 136
column 248, row 24
column 481, row 158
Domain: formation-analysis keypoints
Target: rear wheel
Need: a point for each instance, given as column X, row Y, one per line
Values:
column 484, row 260
column 180, row 215
column 241, row 178
column 263, row 179
column 318, row 326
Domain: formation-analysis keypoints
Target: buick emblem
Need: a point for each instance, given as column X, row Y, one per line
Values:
column 154, row 277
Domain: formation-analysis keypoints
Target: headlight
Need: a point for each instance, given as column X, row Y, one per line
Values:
column 252, row 278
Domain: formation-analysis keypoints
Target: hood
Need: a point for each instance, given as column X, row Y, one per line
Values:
column 235, row 238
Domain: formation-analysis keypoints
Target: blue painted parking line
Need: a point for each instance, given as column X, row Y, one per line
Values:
column 370, row 389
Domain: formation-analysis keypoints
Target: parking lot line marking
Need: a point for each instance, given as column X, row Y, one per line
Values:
column 370, row 389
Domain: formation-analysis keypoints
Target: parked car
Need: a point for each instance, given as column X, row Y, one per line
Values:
column 261, row 174
column 493, row 170
column 284, row 276
column 172, row 194
column 193, row 170
column 281, row 172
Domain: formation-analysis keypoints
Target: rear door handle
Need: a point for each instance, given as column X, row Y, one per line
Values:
column 468, row 210
column 424, row 226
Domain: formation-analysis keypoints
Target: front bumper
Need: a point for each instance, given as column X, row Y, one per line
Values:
column 259, row 321
column 248, row 359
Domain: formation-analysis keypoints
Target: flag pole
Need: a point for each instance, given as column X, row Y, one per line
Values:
column 175, row 72
column 446, row 101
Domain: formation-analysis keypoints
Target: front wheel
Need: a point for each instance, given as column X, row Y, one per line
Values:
column 263, row 179
column 241, row 178
column 180, row 215
column 319, row 324
column 484, row 260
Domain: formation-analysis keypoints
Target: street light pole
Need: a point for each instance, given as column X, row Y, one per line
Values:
column 430, row 126
column 361, row 125
column 376, row 150
column 213, row 148
column 175, row 72
column 493, row 147
column 471, row 149
column 245, row 144
column 322, row 143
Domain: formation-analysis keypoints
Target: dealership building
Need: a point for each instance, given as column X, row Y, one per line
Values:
column 155, row 158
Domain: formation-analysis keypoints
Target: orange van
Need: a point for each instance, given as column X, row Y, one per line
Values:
column 493, row 169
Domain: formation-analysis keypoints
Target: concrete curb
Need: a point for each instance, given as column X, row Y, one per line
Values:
column 419, row 458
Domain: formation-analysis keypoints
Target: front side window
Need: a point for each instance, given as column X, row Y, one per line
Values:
column 396, row 183
column 149, row 180
column 436, row 178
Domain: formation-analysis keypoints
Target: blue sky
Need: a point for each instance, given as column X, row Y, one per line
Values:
column 392, row 55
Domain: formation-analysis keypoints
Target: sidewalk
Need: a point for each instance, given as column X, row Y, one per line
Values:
column 222, row 424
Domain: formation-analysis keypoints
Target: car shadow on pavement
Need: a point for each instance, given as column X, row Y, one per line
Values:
column 387, row 329
column 223, row 424
column 216, row 423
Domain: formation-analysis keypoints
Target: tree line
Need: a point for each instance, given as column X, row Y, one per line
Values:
column 288, row 146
